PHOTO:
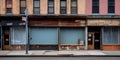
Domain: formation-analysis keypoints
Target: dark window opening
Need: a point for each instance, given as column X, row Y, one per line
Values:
column 111, row 6
column 95, row 6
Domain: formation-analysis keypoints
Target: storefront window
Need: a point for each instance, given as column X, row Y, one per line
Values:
column 111, row 35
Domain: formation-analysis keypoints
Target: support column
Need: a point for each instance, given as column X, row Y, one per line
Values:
column 58, row 38
column 86, row 38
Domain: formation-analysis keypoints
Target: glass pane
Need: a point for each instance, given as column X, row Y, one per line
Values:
column 9, row 3
column 22, row 10
column 23, row 3
column 74, row 10
column 9, row 10
column 114, row 35
column 51, row 10
column 63, row 10
column 111, row 4
column 111, row 9
column 74, row 3
column 51, row 3
column 95, row 9
column 36, row 3
column 36, row 10
column 63, row 3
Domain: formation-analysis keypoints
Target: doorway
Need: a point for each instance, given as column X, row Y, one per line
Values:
column 5, row 38
column 94, row 41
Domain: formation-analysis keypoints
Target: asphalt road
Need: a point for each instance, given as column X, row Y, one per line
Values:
column 59, row 58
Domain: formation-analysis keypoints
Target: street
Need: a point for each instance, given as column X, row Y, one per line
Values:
column 59, row 58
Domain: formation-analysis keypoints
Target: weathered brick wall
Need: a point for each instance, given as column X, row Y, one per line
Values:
column 30, row 6
column 2, row 6
column 43, row 7
column 57, row 7
column 16, row 7
column 81, row 6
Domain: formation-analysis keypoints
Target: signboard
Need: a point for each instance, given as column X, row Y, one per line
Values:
column 12, row 23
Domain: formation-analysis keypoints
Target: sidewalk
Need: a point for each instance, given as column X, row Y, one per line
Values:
column 60, row 53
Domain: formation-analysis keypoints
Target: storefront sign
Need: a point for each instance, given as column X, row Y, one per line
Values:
column 12, row 23
column 101, row 22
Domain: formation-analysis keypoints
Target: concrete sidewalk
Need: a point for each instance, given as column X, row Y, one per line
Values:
column 60, row 53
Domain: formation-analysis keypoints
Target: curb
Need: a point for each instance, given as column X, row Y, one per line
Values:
column 59, row 55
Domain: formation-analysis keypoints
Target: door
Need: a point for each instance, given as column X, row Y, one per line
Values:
column 93, row 40
column 5, row 39
column 96, row 40
column 90, row 41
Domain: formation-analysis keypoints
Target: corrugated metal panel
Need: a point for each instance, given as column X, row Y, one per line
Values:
column 43, row 36
column 71, row 35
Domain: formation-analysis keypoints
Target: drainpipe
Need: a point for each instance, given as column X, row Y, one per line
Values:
column 86, row 38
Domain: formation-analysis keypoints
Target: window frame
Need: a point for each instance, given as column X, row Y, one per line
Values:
column 7, row 7
column 95, row 4
column 111, row 10
column 21, row 12
column 74, row 7
column 63, row 7
column 36, row 7
column 51, row 7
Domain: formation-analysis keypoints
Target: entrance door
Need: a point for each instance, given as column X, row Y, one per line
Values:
column 5, row 39
column 93, row 40
column 96, row 40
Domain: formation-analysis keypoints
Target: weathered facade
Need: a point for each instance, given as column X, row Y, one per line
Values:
column 60, row 24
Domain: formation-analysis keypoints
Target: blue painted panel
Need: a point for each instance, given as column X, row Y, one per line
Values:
column 71, row 35
column 43, row 36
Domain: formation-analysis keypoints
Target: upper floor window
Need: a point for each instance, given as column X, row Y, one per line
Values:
column 8, row 6
column 50, row 6
column 63, row 6
column 22, row 6
column 73, row 6
column 36, row 7
column 111, row 6
column 95, row 6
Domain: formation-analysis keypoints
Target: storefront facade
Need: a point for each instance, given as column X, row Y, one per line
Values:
column 13, row 33
column 103, row 32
